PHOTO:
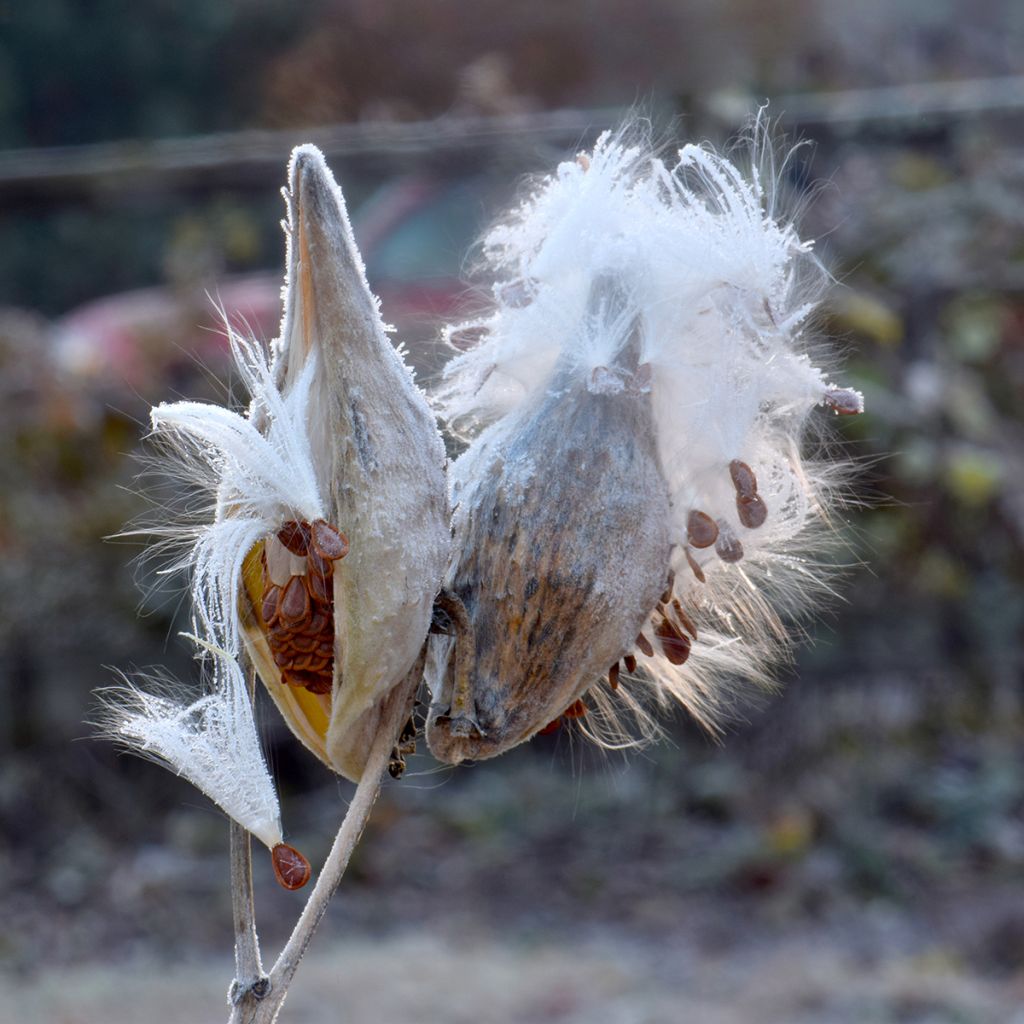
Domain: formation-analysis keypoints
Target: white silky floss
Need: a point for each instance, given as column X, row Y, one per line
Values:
column 211, row 741
column 721, row 290
column 262, row 471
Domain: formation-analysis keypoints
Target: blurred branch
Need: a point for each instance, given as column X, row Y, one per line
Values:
column 887, row 104
column 114, row 167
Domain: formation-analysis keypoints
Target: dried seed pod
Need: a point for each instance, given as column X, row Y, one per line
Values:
column 553, row 585
column 291, row 869
column 752, row 511
column 701, row 529
column 728, row 546
column 380, row 464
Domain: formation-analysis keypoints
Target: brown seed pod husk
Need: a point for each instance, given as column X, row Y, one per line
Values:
column 561, row 550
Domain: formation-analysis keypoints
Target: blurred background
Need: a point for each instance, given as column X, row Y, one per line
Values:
column 854, row 850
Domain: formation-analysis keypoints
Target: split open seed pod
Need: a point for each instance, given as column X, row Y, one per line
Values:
column 334, row 611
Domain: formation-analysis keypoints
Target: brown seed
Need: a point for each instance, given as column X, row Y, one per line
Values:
column 294, row 535
column 728, row 546
column 302, row 644
column 318, row 625
column 684, row 619
column 630, row 662
column 328, row 542
column 701, row 529
column 666, row 595
column 325, row 649
column 845, row 401
column 743, row 479
column 550, row 728
column 291, row 869
column 315, row 682
column 320, row 565
column 271, row 597
column 695, row 567
column 752, row 511
column 294, row 606
column 282, row 659
column 577, row 709
column 317, row 586
column 676, row 645
column 645, row 645
column 613, row 676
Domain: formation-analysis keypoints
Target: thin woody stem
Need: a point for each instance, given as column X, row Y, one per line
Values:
column 249, row 976
column 262, row 1007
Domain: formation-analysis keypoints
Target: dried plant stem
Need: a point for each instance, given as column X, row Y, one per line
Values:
column 249, row 976
column 260, row 1003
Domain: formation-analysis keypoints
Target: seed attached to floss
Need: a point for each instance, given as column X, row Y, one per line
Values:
column 675, row 645
column 613, row 676
column 291, row 869
column 685, row 621
column 695, row 568
column 752, row 511
column 577, row 709
column 728, row 546
column 294, row 535
column 645, row 645
column 844, row 401
column 743, row 479
column 630, row 662
column 701, row 529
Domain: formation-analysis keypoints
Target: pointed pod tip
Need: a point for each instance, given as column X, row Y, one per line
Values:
column 291, row 869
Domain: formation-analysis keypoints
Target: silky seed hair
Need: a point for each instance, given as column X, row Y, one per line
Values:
column 724, row 290
column 209, row 739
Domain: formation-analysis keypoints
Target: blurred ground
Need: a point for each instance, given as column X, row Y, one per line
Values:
column 609, row 979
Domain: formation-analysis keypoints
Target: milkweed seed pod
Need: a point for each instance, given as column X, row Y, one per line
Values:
column 330, row 531
column 633, row 513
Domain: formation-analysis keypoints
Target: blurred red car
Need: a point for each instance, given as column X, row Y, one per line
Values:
column 414, row 234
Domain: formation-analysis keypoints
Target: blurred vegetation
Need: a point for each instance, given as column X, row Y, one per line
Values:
column 889, row 772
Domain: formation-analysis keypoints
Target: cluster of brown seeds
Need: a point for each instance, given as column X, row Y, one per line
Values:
column 299, row 615
column 674, row 630
column 702, row 531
